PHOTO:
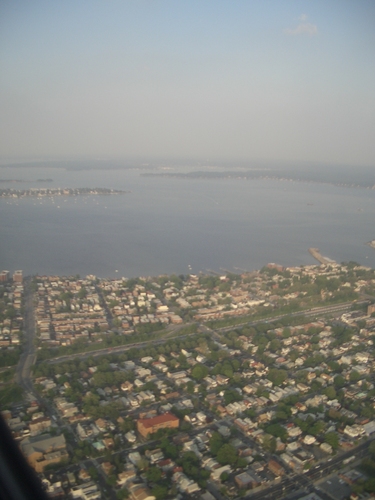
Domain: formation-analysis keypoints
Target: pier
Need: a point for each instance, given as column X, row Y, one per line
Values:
column 319, row 257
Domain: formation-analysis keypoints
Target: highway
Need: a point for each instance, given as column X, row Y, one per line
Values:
column 315, row 312
column 28, row 357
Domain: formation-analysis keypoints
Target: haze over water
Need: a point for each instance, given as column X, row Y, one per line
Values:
column 165, row 225
column 246, row 81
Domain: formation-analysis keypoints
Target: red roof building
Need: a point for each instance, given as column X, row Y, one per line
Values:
column 148, row 426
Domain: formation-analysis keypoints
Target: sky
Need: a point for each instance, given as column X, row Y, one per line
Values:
column 253, row 80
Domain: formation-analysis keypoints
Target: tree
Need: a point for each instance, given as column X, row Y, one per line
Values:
column 159, row 492
column 339, row 381
column 371, row 449
column 199, row 371
column 231, row 395
column 269, row 443
column 123, row 493
column 332, row 439
column 216, row 442
column 330, row 392
column 224, row 476
column 153, row 474
column 227, row 454
column 354, row 376
column 170, row 450
column 277, row 377
column 277, row 430
column 82, row 293
column 334, row 366
column 111, row 480
column 93, row 473
column 241, row 462
column 275, row 345
column 317, row 428
column 142, row 464
column 190, row 386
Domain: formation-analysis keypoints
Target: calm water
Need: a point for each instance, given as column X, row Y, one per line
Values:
column 165, row 225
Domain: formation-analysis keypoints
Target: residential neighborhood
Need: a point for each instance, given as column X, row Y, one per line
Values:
column 209, row 386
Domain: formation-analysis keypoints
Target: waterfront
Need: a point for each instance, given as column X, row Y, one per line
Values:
column 167, row 225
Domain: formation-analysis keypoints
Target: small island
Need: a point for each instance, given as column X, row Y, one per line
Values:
column 42, row 192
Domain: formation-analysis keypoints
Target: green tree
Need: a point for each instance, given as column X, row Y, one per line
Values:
column 153, row 474
column 330, row 392
column 354, row 376
column 159, row 492
column 224, row 476
column 82, row 293
column 216, row 442
column 111, row 480
column 269, row 443
column 190, row 387
column 333, row 439
column 275, row 345
column 122, row 494
column 227, row 454
column 170, row 450
column 199, row 371
column 231, row 395
column 277, row 430
column 93, row 473
column 276, row 376
column 339, row 381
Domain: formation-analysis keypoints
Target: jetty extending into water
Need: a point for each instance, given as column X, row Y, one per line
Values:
column 319, row 257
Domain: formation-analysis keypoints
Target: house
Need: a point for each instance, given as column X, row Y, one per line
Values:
column 327, row 448
column 39, row 425
column 107, row 467
column 354, row 431
column 246, row 481
column 86, row 491
column 215, row 474
column 140, row 492
column 276, row 468
column 84, row 475
column 125, row 476
column 108, row 443
column 308, row 439
column 294, row 431
column 101, row 424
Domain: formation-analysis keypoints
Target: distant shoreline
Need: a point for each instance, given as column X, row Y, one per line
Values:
column 249, row 175
column 4, row 181
column 42, row 192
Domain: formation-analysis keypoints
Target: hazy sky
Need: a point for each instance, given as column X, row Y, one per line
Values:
column 233, row 79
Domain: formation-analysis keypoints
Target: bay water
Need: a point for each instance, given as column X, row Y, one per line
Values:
column 168, row 225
